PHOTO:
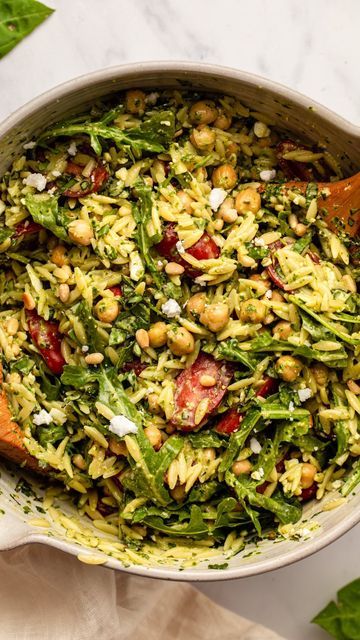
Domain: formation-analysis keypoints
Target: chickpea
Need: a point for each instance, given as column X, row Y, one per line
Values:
column 203, row 112
column 308, row 472
column 252, row 310
column 241, row 466
column 288, row 368
column 215, row 316
column 282, row 330
column 300, row 229
column 178, row 492
column 157, row 334
column 153, row 434
column 119, row 448
column 186, row 201
column 227, row 212
column 223, row 121
column 107, row 309
column 277, row 296
column 80, row 232
column 320, row 373
column 224, row 177
column 135, row 101
column 248, row 200
column 180, row 341
column 203, row 138
column 196, row 304
column 58, row 255
column 153, row 403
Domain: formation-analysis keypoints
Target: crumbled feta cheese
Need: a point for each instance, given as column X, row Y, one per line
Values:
column 121, row 426
column 72, row 150
column 304, row 394
column 258, row 475
column 255, row 445
column 152, row 97
column 259, row 242
column 171, row 308
column 29, row 145
column 268, row 294
column 85, row 348
column 180, row 247
column 56, row 173
column 200, row 282
column 51, row 191
column 166, row 123
column 43, row 417
column 36, row 180
column 58, row 416
column 267, row 175
column 291, row 406
column 216, row 198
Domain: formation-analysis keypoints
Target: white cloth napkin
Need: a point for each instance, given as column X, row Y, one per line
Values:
column 48, row 595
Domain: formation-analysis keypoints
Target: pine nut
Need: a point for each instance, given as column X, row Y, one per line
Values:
column 79, row 461
column 12, row 326
column 174, row 269
column 94, row 358
column 300, row 229
column 29, row 302
column 353, row 387
column 142, row 338
column 64, row 292
column 207, row 381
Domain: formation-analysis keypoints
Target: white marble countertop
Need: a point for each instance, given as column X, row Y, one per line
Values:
column 310, row 46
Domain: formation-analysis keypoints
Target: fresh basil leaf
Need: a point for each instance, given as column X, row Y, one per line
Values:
column 44, row 210
column 18, row 18
column 341, row 619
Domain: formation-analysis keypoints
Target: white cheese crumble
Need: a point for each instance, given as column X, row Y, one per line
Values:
column 56, row 173
column 268, row 294
column 255, row 445
column 180, row 247
column 72, row 150
column 304, row 394
column 84, row 348
column 43, row 417
column 171, row 308
column 121, row 426
column 216, row 198
column 29, row 145
column 267, row 175
column 36, row 180
column 291, row 406
column 258, row 475
column 259, row 242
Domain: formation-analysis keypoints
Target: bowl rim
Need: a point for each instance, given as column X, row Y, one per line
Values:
column 111, row 74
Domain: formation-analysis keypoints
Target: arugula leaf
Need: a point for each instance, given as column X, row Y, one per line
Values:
column 151, row 135
column 238, row 438
column 203, row 439
column 44, row 210
column 18, row 18
column 94, row 339
column 5, row 233
column 337, row 359
column 143, row 217
column 146, row 476
column 50, row 434
column 345, row 337
column 276, row 411
column 112, row 394
column 196, row 525
column 302, row 243
column 203, row 492
column 231, row 350
column 287, row 512
column 76, row 376
column 352, row 480
column 265, row 342
column 24, row 365
column 341, row 619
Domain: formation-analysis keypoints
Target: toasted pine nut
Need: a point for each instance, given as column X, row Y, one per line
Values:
column 64, row 292
column 207, row 381
column 29, row 302
column 94, row 358
column 12, row 326
column 300, row 229
column 353, row 387
column 79, row 461
column 142, row 338
column 174, row 269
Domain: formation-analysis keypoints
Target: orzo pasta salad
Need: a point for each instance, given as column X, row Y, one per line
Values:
column 179, row 332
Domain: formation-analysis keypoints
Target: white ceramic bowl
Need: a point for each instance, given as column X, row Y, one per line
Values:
column 290, row 111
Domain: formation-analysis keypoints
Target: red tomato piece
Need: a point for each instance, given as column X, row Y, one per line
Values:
column 261, row 487
column 46, row 337
column 136, row 365
column 26, row 228
column 309, row 493
column 189, row 391
column 73, row 168
column 203, row 249
column 229, row 421
column 97, row 178
column 270, row 386
column 274, row 277
column 116, row 291
column 292, row 168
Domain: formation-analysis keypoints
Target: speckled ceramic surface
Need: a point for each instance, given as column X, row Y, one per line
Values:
column 290, row 111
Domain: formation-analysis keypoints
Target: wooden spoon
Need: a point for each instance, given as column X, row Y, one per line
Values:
column 340, row 202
